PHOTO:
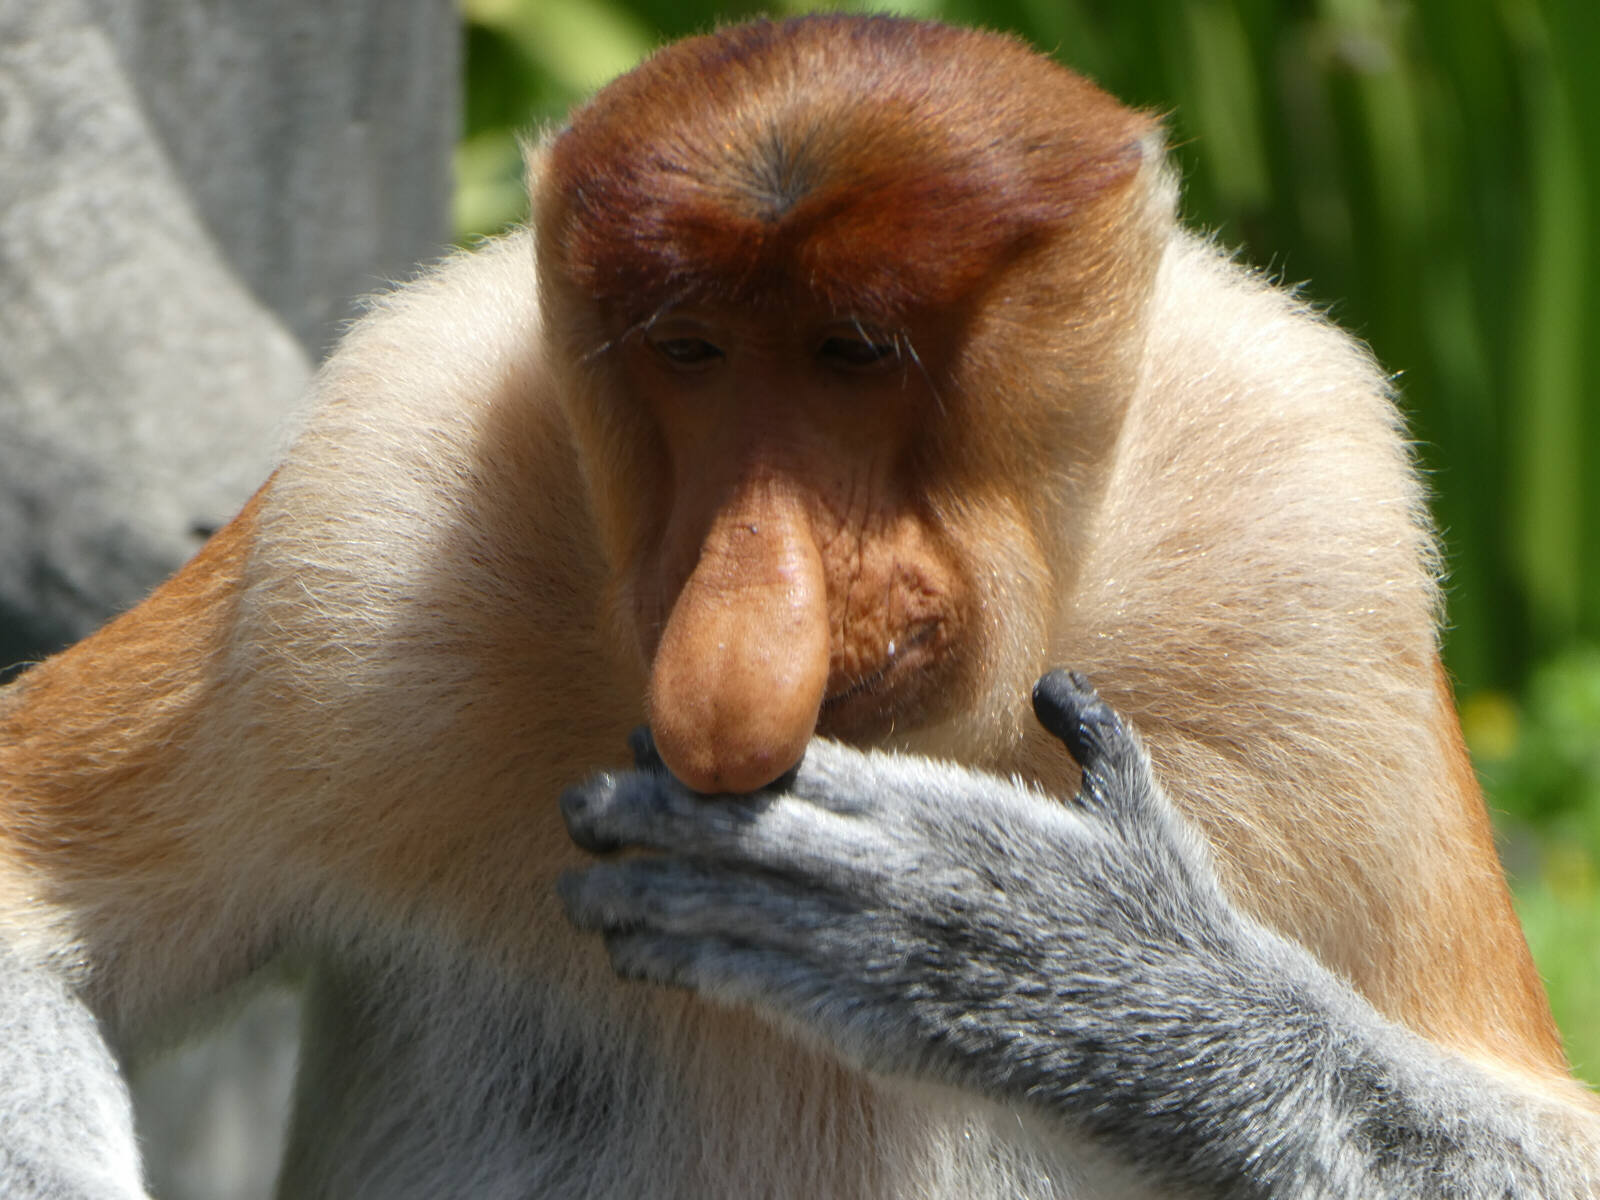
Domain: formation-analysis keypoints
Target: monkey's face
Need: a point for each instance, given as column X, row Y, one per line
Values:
column 844, row 367
column 797, row 578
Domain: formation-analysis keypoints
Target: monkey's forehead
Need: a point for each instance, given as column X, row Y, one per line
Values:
column 878, row 161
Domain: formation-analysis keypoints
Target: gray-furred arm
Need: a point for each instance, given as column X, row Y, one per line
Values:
column 1080, row 959
column 64, row 1111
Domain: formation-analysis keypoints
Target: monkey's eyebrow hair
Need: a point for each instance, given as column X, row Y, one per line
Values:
column 642, row 324
column 903, row 338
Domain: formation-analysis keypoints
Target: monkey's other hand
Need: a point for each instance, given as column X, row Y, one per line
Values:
column 919, row 917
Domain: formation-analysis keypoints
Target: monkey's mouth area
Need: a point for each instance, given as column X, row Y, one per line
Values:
column 860, row 703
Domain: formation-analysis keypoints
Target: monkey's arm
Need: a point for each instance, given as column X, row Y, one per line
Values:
column 935, row 922
column 64, row 1111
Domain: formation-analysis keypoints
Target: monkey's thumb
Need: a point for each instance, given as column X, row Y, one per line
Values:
column 742, row 665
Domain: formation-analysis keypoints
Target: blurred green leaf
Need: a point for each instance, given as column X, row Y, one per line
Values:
column 1563, row 931
column 579, row 44
column 1549, row 774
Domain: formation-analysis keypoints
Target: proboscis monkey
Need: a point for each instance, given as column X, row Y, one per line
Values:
column 852, row 373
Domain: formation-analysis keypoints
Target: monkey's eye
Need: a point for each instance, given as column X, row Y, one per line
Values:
column 686, row 351
column 857, row 351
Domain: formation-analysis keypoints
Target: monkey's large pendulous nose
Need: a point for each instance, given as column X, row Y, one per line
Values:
column 740, row 671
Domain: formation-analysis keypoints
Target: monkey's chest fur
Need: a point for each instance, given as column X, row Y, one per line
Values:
column 449, row 1078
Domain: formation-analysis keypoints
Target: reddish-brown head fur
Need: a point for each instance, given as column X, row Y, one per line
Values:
column 879, row 166
column 798, row 539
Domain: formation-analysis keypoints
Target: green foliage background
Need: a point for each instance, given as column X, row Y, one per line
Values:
column 1431, row 170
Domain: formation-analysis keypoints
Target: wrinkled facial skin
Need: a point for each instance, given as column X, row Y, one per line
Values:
column 799, row 583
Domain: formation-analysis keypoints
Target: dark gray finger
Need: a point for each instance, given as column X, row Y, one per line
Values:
column 1069, row 707
column 721, row 969
column 777, row 833
column 727, row 972
column 687, row 899
column 1117, row 780
column 647, row 809
column 732, row 973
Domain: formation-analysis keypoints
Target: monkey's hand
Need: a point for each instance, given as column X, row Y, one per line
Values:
column 931, row 921
column 921, row 917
